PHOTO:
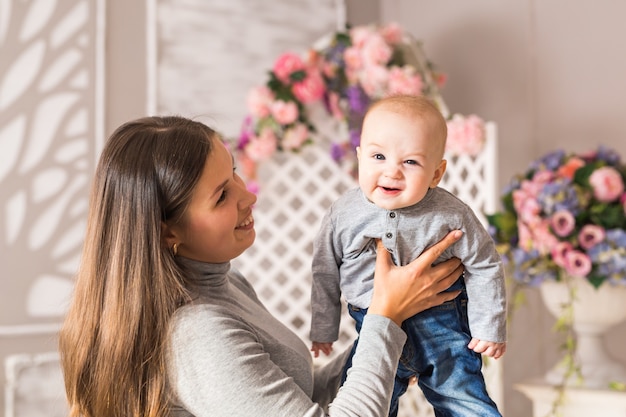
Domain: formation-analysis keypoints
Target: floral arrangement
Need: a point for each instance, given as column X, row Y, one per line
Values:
column 565, row 214
column 352, row 69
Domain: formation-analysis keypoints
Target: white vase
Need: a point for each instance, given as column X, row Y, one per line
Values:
column 594, row 312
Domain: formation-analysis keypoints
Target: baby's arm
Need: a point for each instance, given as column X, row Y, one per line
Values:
column 324, row 347
column 492, row 349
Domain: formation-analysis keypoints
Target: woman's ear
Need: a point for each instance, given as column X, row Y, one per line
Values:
column 441, row 169
column 168, row 235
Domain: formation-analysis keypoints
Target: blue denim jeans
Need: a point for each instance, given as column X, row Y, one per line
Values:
column 448, row 373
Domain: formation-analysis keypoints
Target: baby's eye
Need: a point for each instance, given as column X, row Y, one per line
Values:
column 379, row 156
column 411, row 162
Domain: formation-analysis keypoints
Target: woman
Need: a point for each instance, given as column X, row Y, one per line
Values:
column 160, row 325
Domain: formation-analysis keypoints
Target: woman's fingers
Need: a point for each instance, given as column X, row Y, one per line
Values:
column 401, row 292
column 431, row 254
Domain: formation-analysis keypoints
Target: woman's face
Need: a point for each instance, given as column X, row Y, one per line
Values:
column 218, row 224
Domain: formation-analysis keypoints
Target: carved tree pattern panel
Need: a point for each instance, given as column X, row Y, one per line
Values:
column 296, row 190
column 47, row 131
column 50, row 131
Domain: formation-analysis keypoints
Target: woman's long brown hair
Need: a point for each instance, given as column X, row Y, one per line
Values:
column 128, row 285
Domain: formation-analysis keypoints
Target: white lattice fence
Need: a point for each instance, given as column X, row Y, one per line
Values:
column 296, row 190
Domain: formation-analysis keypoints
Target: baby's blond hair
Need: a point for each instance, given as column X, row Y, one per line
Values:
column 415, row 107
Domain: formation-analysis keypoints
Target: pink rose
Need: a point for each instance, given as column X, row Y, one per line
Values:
column 466, row 135
column 311, row 88
column 295, row 137
column 590, row 235
column 286, row 64
column 404, row 81
column 543, row 238
column 392, row 33
column 360, row 34
column 285, row 112
column 559, row 253
column 607, row 184
column 526, row 205
column 247, row 164
column 374, row 80
column 577, row 263
column 562, row 222
column 352, row 58
column 376, row 51
column 334, row 106
column 258, row 101
column 263, row 146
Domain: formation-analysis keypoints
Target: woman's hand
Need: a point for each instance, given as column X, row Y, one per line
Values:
column 401, row 292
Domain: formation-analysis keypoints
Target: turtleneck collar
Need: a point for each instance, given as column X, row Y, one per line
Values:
column 205, row 274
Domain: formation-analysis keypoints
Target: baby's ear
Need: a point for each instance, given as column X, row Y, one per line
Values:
column 438, row 175
column 358, row 153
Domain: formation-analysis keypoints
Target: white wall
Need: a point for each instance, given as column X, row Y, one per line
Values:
column 550, row 74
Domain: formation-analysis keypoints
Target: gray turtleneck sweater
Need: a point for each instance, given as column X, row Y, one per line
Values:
column 228, row 356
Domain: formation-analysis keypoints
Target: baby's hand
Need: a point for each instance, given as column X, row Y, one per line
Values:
column 324, row 347
column 491, row 349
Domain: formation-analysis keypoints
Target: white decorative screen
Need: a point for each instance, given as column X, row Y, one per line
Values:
column 296, row 190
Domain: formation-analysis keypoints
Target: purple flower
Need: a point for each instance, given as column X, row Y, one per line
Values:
column 337, row 152
column 559, row 195
column 355, row 137
column 550, row 161
column 358, row 101
column 608, row 155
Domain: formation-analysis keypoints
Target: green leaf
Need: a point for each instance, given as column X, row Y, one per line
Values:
column 297, row 76
column 505, row 224
column 617, row 386
column 609, row 216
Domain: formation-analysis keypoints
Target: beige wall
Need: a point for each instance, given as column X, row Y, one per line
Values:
column 550, row 74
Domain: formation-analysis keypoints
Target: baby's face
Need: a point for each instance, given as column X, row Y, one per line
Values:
column 399, row 158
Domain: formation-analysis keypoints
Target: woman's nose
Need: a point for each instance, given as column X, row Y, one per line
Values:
column 248, row 198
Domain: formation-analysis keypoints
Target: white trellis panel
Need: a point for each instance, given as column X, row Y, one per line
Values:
column 296, row 191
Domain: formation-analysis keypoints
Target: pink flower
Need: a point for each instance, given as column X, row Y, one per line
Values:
column 543, row 238
column 570, row 167
column 577, row 263
column 253, row 186
column 466, row 135
column 286, row 64
column 258, row 101
column 360, row 34
column 285, row 112
column 404, row 81
column 352, row 58
column 590, row 235
column 559, row 253
column 392, row 33
column 374, row 80
column 263, row 146
column 310, row 89
column 526, row 205
column 607, row 184
column 334, row 107
column 295, row 137
column 562, row 222
column 248, row 166
column 375, row 51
